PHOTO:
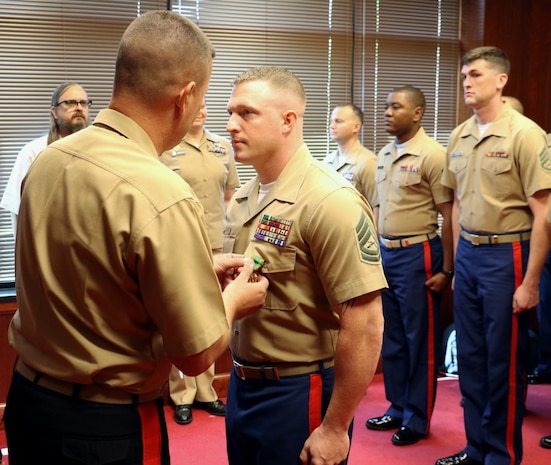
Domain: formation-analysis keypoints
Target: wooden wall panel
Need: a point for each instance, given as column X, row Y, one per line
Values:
column 537, row 78
column 7, row 354
column 523, row 30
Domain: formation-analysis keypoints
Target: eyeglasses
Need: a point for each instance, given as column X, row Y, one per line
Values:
column 71, row 104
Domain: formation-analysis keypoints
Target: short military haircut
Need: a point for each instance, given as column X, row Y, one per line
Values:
column 159, row 51
column 493, row 55
column 414, row 95
column 278, row 78
column 355, row 109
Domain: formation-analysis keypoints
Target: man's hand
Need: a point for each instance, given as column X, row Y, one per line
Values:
column 325, row 446
column 227, row 266
column 438, row 282
column 525, row 298
column 241, row 297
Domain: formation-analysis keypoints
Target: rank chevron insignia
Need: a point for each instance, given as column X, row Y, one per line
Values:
column 545, row 161
column 367, row 240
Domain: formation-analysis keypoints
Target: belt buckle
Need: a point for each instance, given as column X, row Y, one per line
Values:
column 494, row 239
column 275, row 372
column 239, row 370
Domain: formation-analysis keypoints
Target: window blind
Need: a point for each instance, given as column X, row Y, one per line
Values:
column 406, row 43
column 311, row 38
column 45, row 43
column 342, row 50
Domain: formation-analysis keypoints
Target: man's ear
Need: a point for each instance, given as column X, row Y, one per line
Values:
column 417, row 113
column 53, row 111
column 290, row 118
column 502, row 79
column 183, row 97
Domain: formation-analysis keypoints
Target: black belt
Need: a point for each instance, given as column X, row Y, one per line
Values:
column 89, row 392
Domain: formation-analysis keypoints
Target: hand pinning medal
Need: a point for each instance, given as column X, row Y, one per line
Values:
column 258, row 264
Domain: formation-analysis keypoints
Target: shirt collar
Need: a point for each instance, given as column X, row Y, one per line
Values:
column 288, row 182
column 128, row 128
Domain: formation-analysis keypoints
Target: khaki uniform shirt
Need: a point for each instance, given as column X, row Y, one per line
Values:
column 105, row 291
column 317, row 236
column 209, row 169
column 409, row 187
column 494, row 175
column 359, row 169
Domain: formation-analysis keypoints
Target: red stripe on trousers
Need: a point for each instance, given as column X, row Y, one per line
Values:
column 512, row 403
column 430, row 337
column 151, row 433
column 314, row 402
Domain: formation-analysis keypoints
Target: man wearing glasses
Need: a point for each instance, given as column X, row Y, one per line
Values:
column 68, row 114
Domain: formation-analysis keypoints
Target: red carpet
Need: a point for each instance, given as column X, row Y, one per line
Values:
column 202, row 442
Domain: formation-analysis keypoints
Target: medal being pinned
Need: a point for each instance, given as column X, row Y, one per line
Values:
column 258, row 264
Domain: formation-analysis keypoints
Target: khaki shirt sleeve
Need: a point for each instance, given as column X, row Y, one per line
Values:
column 367, row 179
column 346, row 249
column 435, row 167
column 193, row 327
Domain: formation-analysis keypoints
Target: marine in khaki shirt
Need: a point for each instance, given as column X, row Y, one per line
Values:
column 409, row 187
column 316, row 341
column 208, row 166
column 205, row 161
column 494, row 174
column 351, row 159
column 499, row 168
column 115, row 277
column 77, row 294
column 418, row 264
column 308, row 266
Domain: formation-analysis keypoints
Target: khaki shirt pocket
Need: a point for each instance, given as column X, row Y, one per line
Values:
column 408, row 178
column 280, row 269
column 457, row 164
column 496, row 175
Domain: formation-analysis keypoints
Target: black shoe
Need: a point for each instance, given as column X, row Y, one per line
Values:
column 546, row 442
column 405, row 436
column 384, row 423
column 461, row 458
column 214, row 408
column 538, row 378
column 182, row 414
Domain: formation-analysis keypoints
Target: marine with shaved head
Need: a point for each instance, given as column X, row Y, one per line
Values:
column 116, row 280
column 301, row 364
column 418, row 264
